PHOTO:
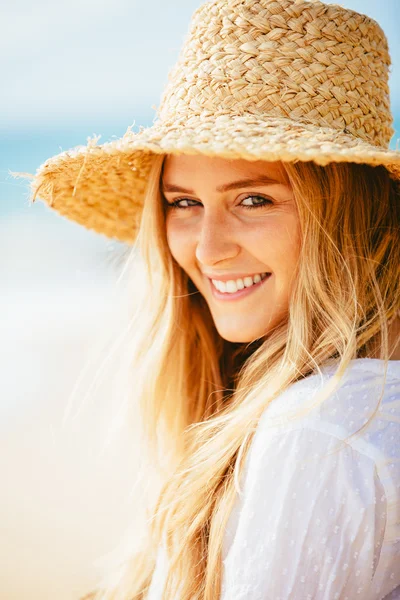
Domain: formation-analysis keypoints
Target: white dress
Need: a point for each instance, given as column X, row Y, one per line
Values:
column 309, row 525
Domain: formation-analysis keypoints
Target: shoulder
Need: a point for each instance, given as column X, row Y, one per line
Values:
column 303, row 495
column 363, row 397
column 313, row 502
column 360, row 419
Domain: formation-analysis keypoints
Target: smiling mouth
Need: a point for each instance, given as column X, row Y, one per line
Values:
column 232, row 286
column 240, row 293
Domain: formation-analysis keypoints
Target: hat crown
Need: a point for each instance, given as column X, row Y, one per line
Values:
column 303, row 60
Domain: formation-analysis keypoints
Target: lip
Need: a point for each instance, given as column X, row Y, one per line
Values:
column 240, row 293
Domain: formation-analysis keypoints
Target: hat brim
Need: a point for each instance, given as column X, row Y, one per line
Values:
column 102, row 186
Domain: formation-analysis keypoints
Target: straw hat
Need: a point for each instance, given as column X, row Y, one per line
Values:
column 256, row 79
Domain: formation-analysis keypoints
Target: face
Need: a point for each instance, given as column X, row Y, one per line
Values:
column 223, row 227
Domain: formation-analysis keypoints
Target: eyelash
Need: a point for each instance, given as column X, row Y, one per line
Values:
column 174, row 205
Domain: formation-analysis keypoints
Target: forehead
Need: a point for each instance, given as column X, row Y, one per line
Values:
column 188, row 168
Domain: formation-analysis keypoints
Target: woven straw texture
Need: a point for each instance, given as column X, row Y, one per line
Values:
column 255, row 79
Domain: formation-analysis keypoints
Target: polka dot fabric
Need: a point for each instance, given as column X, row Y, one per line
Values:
column 318, row 519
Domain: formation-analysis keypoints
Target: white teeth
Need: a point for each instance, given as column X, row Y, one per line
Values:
column 220, row 285
column 232, row 286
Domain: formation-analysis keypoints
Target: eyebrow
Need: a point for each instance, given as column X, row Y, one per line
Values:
column 259, row 181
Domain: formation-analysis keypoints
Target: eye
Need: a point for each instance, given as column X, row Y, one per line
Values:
column 176, row 203
column 264, row 202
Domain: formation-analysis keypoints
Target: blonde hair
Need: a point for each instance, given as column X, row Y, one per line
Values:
column 194, row 400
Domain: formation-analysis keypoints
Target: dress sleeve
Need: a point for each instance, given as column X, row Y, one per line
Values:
column 310, row 522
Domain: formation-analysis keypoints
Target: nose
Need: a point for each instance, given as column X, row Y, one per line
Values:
column 216, row 240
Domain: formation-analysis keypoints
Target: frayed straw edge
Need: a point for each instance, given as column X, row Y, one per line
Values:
column 23, row 175
column 20, row 174
column 35, row 188
column 91, row 143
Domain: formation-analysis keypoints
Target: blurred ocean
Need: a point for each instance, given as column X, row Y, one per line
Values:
column 57, row 513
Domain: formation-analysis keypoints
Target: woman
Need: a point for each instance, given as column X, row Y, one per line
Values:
column 263, row 205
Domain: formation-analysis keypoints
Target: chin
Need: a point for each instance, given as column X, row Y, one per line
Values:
column 237, row 337
column 246, row 335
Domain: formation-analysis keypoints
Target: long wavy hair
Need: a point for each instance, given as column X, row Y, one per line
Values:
column 193, row 400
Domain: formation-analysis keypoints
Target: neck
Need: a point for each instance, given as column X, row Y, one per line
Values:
column 393, row 341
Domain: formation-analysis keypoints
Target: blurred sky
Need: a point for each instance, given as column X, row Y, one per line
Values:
column 103, row 61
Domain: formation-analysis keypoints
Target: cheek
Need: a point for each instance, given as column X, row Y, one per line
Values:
column 277, row 243
column 178, row 242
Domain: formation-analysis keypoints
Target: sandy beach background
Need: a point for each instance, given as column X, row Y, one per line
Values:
column 64, row 501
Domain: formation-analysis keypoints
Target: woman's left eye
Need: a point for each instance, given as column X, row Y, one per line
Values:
column 264, row 202
column 175, row 204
